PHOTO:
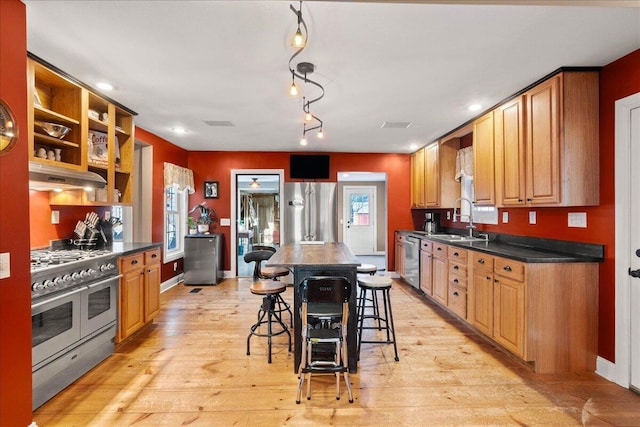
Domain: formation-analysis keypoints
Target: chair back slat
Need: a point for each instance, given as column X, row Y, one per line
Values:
column 325, row 289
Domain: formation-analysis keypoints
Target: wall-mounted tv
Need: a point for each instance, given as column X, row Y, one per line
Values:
column 309, row 166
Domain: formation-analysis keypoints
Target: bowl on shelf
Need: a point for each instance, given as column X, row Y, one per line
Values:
column 54, row 130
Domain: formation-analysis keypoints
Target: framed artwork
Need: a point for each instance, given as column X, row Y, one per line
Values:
column 211, row 189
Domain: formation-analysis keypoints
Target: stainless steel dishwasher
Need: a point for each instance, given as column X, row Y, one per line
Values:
column 412, row 261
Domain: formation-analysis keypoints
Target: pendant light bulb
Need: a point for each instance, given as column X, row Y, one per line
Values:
column 308, row 116
column 303, row 141
column 293, row 90
column 320, row 134
column 298, row 39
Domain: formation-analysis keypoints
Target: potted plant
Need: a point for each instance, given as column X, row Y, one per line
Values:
column 191, row 224
column 206, row 218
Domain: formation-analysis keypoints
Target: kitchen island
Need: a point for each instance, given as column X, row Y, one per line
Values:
column 319, row 259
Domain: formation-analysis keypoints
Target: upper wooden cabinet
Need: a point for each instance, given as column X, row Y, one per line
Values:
column 432, row 175
column 547, row 143
column 417, row 179
column 100, row 139
column 483, row 161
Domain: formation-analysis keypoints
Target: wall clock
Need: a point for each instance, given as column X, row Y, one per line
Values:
column 8, row 128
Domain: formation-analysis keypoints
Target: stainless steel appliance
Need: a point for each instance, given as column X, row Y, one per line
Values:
column 202, row 259
column 73, row 316
column 431, row 222
column 412, row 261
column 310, row 212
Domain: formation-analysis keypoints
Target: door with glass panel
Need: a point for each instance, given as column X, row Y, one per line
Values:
column 359, row 221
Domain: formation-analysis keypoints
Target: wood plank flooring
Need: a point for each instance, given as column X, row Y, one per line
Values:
column 190, row 368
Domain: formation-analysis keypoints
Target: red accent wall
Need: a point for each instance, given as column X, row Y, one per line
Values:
column 217, row 166
column 163, row 151
column 617, row 80
column 15, row 292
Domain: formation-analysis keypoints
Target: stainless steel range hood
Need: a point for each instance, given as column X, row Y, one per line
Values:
column 49, row 177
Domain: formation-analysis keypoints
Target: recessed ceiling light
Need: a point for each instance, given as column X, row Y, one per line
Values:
column 475, row 107
column 179, row 130
column 413, row 146
column 104, row 86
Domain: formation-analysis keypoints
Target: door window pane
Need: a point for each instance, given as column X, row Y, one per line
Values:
column 359, row 209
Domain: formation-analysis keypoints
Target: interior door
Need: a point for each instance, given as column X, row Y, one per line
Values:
column 634, row 268
column 359, row 221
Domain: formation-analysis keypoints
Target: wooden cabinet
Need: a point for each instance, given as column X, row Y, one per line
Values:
column 139, row 291
column 509, row 321
column 457, row 281
column 417, row 179
column 483, row 160
column 100, row 139
column 399, row 240
column 426, row 267
column 440, row 273
column 480, row 293
column 432, row 175
column 510, row 153
column 547, row 144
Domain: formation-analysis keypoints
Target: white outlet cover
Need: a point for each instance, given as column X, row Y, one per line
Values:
column 505, row 217
column 5, row 265
column 532, row 217
column 577, row 219
column 225, row 222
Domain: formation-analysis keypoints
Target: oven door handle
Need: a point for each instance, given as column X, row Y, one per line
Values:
column 102, row 282
column 59, row 297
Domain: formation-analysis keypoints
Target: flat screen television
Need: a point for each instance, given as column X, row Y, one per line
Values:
column 309, row 166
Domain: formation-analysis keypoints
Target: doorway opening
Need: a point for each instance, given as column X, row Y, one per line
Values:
column 362, row 198
column 256, row 213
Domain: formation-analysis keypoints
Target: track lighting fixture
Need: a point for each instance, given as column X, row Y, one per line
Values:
column 302, row 71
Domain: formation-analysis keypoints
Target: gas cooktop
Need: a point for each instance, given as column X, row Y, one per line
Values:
column 42, row 259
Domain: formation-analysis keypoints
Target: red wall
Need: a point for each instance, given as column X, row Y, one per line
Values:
column 617, row 80
column 217, row 166
column 15, row 293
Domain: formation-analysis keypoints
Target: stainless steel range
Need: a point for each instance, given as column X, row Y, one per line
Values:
column 73, row 315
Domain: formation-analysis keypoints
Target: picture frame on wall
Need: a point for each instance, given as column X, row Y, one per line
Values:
column 211, row 189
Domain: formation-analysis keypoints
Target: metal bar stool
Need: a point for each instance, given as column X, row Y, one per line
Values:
column 372, row 302
column 272, row 273
column 374, row 285
column 270, row 308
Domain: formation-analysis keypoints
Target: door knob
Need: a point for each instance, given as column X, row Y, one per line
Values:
column 634, row 273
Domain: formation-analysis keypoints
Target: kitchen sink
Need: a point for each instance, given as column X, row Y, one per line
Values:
column 456, row 238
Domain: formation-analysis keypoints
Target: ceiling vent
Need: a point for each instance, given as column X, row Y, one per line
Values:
column 220, row 123
column 395, row 125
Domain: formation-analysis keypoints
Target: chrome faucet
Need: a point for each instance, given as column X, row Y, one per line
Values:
column 470, row 226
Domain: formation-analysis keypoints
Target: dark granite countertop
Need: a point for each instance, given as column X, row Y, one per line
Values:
column 525, row 249
column 122, row 249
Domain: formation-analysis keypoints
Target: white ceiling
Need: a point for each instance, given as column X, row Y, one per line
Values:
column 181, row 63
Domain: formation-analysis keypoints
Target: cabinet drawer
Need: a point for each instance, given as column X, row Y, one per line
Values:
column 457, row 301
column 401, row 238
column 482, row 261
column 457, row 268
column 440, row 250
column 131, row 262
column 508, row 268
column 152, row 256
column 458, row 281
column 457, row 254
column 426, row 245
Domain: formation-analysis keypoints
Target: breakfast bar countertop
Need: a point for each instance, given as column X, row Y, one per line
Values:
column 313, row 254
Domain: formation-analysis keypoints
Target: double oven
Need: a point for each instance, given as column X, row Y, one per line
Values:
column 74, row 300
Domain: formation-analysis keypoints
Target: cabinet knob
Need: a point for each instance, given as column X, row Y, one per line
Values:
column 528, row 200
column 455, row 267
column 134, row 262
column 481, row 261
column 456, row 254
column 488, row 277
column 507, row 268
column 496, row 280
column 455, row 294
column 519, row 200
column 439, row 249
column 455, row 281
column 154, row 256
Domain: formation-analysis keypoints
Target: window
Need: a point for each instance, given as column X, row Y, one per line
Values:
column 175, row 213
column 359, row 209
column 118, row 225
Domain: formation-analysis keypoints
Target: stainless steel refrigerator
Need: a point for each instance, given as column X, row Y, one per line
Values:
column 203, row 259
column 310, row 212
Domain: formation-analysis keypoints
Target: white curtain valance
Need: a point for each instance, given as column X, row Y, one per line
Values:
column 178, row 176
column 464, row 163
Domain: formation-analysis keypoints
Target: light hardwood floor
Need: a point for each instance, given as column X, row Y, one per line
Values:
column 190, row 368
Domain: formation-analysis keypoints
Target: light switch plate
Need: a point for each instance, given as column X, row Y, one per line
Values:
column 532, row 217
column 577, row 219
column 225, row 222
column 448, row 215
column 505, row 217
column 5, row 265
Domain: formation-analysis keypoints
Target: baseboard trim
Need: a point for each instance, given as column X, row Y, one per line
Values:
column 165, row 286
column 605, row 369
